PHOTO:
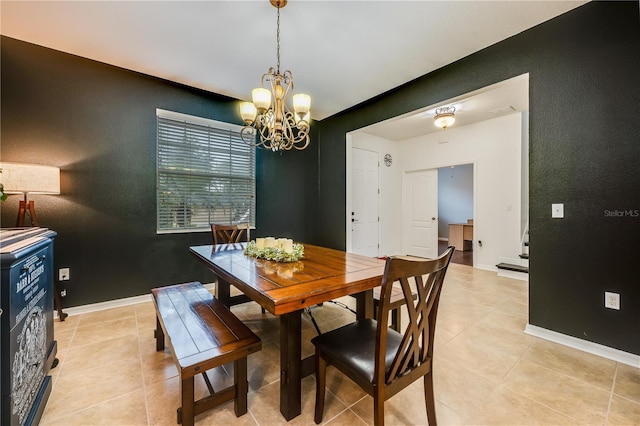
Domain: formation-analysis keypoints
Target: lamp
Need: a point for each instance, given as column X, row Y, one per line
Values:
column 26, row 179
column 445, row 117
column 271, row 125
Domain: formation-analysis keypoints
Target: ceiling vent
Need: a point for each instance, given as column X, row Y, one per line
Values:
column 508, row 109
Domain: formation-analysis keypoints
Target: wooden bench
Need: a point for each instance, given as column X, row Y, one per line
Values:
column 202, row 334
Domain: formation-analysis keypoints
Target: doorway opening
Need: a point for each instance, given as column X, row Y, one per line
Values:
column 455, row 211
column 491, row 132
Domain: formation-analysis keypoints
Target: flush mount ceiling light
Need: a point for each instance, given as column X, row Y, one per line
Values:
column 445, row 117
column 271, row 125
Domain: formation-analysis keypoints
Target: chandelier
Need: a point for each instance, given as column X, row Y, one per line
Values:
column 445, row 117
column 268, row 121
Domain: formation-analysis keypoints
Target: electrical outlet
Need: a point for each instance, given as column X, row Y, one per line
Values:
column 64, row 274
column 612, row 300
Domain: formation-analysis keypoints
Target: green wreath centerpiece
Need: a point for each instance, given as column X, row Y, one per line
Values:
column 275, row 254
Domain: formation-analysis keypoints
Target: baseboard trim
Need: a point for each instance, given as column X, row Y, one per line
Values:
column 110, row 304
column 584, row 345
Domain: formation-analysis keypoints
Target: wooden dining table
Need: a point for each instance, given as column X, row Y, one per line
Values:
column 286, row 289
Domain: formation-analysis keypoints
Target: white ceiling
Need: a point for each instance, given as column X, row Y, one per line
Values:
column 340, row 52
column 493, row 101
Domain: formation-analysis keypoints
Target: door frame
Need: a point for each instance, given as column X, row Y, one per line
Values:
column 475, row 198
column 348, row 195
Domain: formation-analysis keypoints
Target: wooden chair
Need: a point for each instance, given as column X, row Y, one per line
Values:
column 232, row 234
column 227, row 234
column 395, row 302
column 379, row 359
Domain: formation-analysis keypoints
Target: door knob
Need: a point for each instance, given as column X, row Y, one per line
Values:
column 433, row 218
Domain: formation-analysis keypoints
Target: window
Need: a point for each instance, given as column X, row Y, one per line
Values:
column 206, row 174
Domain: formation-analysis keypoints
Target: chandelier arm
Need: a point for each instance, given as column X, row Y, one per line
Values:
column 265, row 139
column 297, row 136
column 306, row 144
column 288, row 78
column 249, row 132
column 265, row 77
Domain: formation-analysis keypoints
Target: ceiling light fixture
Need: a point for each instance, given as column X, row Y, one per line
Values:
column 445, row 117
column 271, row 125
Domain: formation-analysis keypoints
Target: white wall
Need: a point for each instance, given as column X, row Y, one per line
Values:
column 494, row 147
column 524, row 187
column 390, row 185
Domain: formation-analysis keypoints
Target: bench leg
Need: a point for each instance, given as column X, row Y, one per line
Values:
column 186, row 413
column 242, row 386
column 159, row 334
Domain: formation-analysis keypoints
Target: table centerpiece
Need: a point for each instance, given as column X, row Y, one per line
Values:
column 275, row 249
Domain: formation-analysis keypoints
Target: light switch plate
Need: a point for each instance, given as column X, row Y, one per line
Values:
column 557, row 211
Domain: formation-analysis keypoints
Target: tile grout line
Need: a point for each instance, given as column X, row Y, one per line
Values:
column 60, row 364
column 144, row 382
column 347, row 408
column 93, row 404
column 613, row 386
column 525, row 395
column 564, row 375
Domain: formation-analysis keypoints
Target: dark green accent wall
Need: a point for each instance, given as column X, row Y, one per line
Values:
column 584, row 95
column 98, row 124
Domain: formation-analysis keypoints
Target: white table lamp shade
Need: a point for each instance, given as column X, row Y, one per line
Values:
column 19, row 178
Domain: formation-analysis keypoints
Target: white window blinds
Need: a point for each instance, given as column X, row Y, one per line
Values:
column 206, row 174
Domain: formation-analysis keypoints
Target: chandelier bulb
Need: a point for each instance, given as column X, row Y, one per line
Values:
column 248, row 112
column 301, row 103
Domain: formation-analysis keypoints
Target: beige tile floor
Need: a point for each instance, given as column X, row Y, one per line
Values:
column 486, row 370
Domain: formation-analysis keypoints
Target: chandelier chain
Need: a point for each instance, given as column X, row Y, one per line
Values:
column 278, row 41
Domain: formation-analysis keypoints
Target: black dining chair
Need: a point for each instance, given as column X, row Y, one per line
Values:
column 379, row 359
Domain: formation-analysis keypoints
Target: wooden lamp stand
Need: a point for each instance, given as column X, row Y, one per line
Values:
column 23, row 208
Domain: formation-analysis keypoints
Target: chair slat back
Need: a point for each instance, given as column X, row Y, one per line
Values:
column 230, row 234
column 424, row 278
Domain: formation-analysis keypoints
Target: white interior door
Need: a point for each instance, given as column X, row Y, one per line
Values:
column 364, row 202
column 420, row 213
